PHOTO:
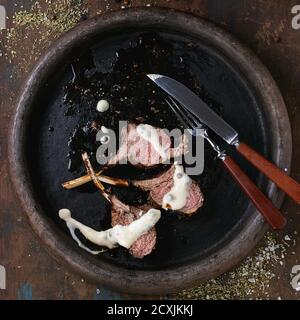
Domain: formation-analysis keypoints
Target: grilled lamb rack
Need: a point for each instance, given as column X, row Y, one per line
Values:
column 123, row 214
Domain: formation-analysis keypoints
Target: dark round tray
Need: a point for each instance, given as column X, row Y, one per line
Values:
column 212, row 63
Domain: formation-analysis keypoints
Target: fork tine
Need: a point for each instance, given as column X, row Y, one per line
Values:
column 192, row 117
column 183, row 117
column 187, row 114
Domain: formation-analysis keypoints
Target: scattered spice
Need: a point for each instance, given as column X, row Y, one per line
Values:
column 269, row 33
column 44, row 22
column 252, row 278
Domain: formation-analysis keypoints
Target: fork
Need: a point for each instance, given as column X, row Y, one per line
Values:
column 271, row 214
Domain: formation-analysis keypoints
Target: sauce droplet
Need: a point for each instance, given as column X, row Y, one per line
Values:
column 104, row 139
column 102, row 105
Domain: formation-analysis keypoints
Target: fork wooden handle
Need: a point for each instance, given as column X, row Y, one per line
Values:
column 278, row 176
column 272, row 215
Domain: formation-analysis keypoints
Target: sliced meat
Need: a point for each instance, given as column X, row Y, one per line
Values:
column 163, row 183
column 139, row 151
column 124, row 214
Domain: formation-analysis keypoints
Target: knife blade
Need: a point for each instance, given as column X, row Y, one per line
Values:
column 197, row 106
column 189, row 100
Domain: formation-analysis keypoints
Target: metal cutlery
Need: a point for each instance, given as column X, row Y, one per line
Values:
column 196, row 106
column 272, row 215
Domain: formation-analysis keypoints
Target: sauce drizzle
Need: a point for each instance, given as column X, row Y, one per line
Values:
column 124, row 236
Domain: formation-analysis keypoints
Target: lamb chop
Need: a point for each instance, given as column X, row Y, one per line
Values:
column 146, row 146
column 132, row 234
column 124, row 215
column 161, row 185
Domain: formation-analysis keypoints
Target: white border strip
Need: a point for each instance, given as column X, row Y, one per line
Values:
column 2, row 17
column 2, row 278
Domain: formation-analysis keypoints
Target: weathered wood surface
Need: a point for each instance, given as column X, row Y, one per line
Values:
column 265, row 26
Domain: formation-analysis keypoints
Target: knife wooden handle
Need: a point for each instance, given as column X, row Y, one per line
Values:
column 278, row 176
column 272, row 215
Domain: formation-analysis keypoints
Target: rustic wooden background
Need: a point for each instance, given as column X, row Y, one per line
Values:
column 264, row 25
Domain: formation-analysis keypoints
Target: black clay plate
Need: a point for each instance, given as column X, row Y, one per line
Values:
column 115, row 69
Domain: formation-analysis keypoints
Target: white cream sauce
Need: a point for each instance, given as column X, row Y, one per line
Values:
column 104, row 129
column 102, row 105
column 150, row 134
column 105, row 139
column 176, row 198
column 124, row 236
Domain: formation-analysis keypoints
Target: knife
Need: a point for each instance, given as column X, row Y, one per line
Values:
column 206, row 115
